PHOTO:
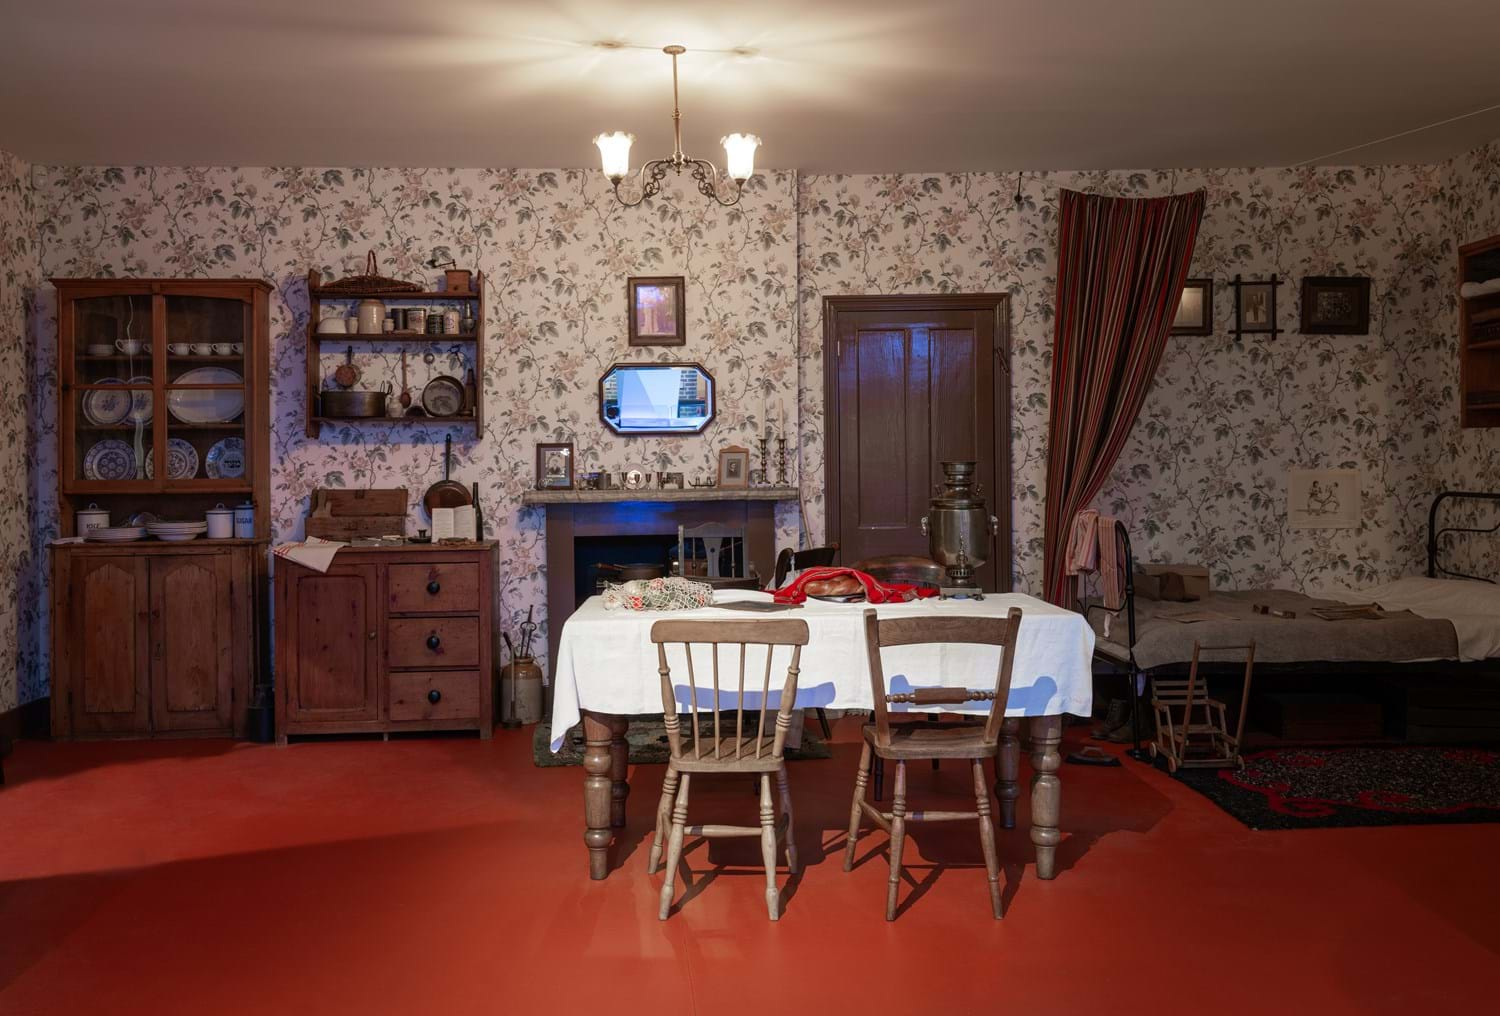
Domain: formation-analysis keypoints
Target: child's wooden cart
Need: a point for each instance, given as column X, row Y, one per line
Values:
column 1204, row 740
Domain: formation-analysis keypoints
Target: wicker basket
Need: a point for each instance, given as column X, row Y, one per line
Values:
column 370, row 283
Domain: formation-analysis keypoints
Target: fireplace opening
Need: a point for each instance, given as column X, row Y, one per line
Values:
column 592, row 552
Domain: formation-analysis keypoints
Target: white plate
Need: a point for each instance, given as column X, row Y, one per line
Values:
column 226, row 460
column 207, row 405
column 182, row 460
column 106, row 409
column 115, row 534
column 140, row 402
column 176, row 537
column 110, row 459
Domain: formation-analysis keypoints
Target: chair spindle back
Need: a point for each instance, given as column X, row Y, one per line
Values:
column 742, row 634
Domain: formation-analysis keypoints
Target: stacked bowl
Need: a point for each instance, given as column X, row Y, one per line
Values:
column 176, row 532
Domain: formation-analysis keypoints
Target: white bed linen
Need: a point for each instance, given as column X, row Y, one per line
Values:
column 1472, row 607
column 607, row 663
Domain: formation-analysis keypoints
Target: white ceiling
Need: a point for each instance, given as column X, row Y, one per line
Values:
column 831, row 85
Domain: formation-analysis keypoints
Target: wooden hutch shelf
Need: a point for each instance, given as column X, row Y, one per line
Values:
column 317, row 294
column 1479, row 336
column 154, row 638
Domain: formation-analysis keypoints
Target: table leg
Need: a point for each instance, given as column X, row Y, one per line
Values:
column 619, row 770
column 1007, row 769
column 1046, row 792
column 597, row 790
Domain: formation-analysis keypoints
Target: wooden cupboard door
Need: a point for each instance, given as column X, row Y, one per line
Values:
column 107, row 659
column 192, row 643
column 333, row 628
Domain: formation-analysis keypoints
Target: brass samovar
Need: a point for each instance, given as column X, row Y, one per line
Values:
column 959, row 528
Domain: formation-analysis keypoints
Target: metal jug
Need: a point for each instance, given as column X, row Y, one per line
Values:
column 959, row 528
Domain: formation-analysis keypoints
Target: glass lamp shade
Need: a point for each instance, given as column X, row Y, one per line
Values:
column 614, row 153
column 739, row 155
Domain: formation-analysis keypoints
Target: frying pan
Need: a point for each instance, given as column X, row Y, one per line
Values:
column 447, row 492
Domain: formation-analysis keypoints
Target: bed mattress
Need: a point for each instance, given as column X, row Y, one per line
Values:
column 1404, row 635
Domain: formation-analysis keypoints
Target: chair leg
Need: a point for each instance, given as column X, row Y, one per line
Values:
column 898, row 838
column 674, row 847
column 987, row 837
column 785, row 790
column 768, row 846
column 861, row 778
column 663, row 820
column 879, row 779
column 823, row 722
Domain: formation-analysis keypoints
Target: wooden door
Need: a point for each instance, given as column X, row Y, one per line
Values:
column 106, row 658
column 192, row 643
column 913, row 382
column 333, row 658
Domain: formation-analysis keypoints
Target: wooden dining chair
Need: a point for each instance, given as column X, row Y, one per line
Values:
column 790, row 560
column 904, row 743
column 748, row 749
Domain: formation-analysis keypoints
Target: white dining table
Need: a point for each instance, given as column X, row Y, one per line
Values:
column 606, row 671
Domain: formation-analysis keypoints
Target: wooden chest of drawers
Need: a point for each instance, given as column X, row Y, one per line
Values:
column 389, row 638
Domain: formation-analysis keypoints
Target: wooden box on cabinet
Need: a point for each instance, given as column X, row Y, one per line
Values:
column 153, row 638
column 389, row 638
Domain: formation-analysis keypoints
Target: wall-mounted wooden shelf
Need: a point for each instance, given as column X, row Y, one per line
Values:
column 1478, row 349
column 318, row 294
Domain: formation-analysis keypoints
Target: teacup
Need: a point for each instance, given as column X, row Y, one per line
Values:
column 237, row 347
column 202, row 348
column 130, row 347
column 178, row 348
column 101, row 349
column 222, row 348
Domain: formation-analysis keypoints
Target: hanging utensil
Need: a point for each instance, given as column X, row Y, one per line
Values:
column 447, row 492
column 347, row 376
column 405, row 387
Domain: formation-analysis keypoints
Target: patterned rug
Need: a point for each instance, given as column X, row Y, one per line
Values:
column 1313, row 788
column 648, row 742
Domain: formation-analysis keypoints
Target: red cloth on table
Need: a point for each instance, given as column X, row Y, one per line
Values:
column 876, row 591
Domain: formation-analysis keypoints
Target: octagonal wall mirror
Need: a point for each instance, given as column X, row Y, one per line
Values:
column 656, row 398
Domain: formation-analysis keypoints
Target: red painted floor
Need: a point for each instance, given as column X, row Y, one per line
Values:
column 448, row 876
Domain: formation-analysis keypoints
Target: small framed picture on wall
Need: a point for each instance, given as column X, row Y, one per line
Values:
column 1336, row 305
column 1195, row 311
column 658, row 310
column 554, row 466
column 1255, row 307
column 734, row 467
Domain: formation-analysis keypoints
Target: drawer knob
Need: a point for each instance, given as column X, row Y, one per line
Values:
column 434, row 587
column 434, row 696
column 433, row 642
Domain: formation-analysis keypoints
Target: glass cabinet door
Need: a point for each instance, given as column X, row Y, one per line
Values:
column 205, row 391
column 113, row 377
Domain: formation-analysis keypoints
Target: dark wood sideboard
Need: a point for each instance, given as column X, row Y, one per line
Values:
column 390, row 638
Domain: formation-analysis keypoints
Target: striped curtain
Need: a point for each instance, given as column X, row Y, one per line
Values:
column 1121, row 265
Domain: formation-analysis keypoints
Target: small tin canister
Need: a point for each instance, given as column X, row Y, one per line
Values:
column 244, row 521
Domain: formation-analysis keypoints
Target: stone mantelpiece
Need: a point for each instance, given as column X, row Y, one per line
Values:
column 535, row 498
column 589, row 513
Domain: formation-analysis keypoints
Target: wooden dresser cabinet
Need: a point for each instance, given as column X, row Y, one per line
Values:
column 388, row 639
column 153, row 638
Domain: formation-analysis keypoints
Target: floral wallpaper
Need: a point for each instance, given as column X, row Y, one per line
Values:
column 1203, row 478
column 19, row 277
column 556, row 250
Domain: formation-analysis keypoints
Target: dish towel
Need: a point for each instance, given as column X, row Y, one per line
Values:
column 875, row 590
column 1093, row 547
column 311, row 553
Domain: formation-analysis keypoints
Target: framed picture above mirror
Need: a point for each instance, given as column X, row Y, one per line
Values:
column 656, row 398
column 657, row 306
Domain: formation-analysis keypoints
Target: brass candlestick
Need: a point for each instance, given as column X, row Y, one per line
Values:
column 781, row 461
column 765, row 459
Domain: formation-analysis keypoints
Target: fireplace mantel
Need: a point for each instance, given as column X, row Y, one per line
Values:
column 592, row 513
column 533, row 498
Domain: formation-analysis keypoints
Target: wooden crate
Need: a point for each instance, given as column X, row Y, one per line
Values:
column 342, row 514
column 1320, row 716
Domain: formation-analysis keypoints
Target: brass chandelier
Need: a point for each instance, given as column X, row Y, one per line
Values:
column 739, row 157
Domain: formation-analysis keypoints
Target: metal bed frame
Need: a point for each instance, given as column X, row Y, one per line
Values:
column 1136, row 674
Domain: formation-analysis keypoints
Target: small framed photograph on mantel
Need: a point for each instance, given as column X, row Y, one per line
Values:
column 554, row 466
column 734, row 467
column 658, row 310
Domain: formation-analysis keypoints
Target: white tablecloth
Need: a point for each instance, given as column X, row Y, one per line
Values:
column 607, row 662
